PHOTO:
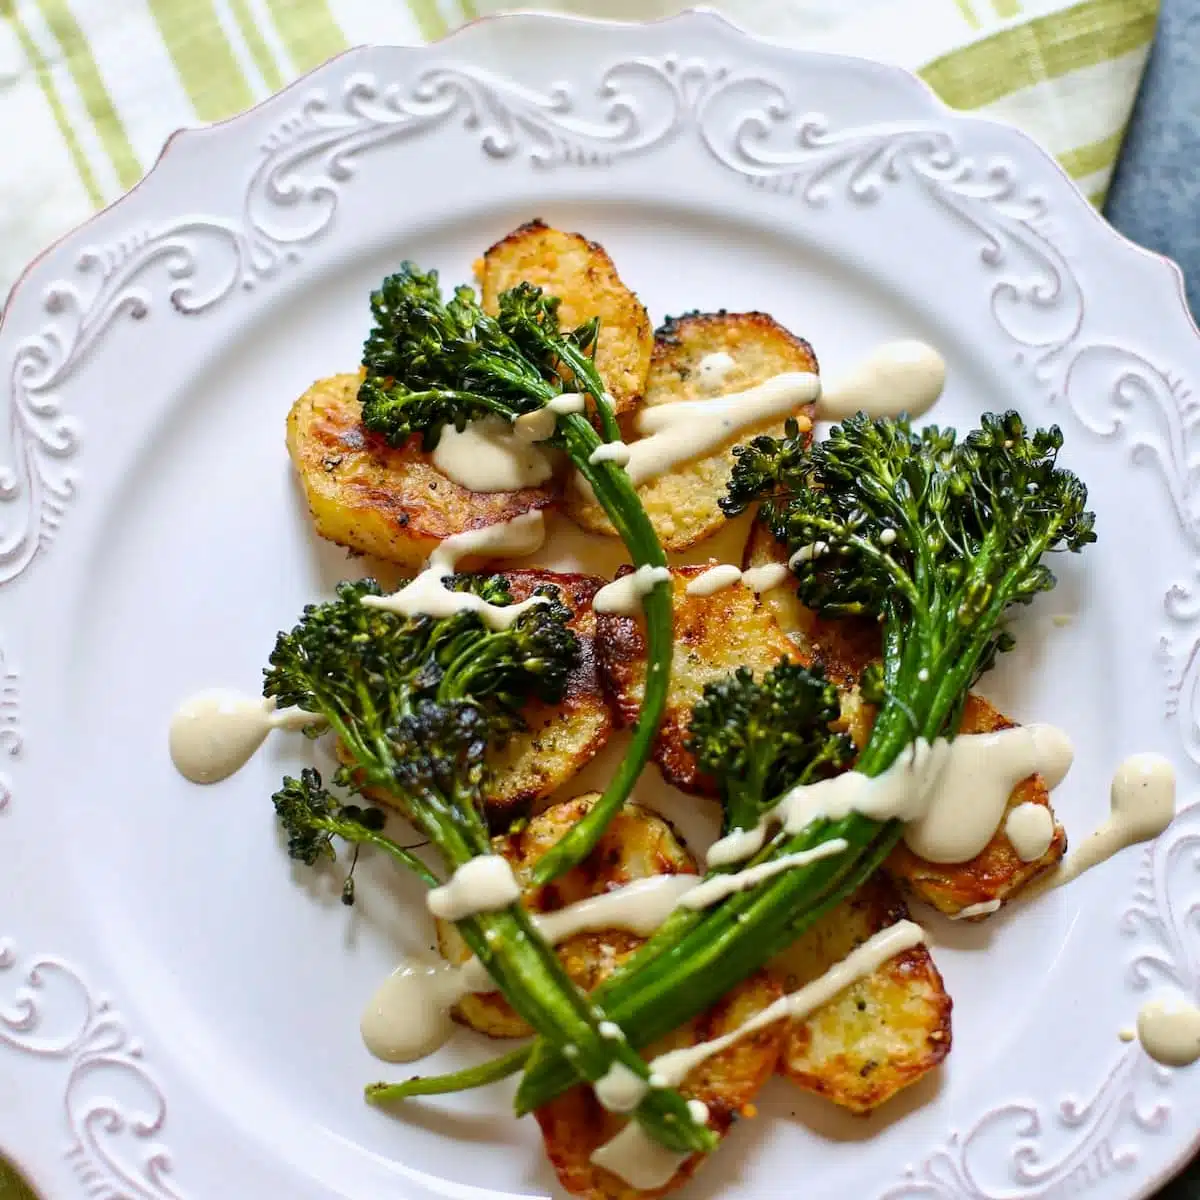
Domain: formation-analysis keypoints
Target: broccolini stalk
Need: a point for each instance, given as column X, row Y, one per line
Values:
column 432, row 362
column 936, row 537
column 417, row 701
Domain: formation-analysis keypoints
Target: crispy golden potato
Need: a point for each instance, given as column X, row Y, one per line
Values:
column 845, row 648
column 561, row 738
column 684, row 504
column 636, row 845
column 881, row 1034
column 574, row 1125
column 583, row 277
column 714, row 635
column 390, row 503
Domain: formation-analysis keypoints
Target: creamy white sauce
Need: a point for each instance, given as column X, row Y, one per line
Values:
column 1170, row 1033
column 619, row 1089
column 725, row 575
column 481, row 885
column 409, row 1016
column 216, row 732
column 427, row 594
column 982, row 909
column 715, row 579
column 807, row 553
column 1030, row 828
column 898, row 377
column 720, row 886
column 673, row 434
column 951, row 794
column 540, row 424
column 698, row 1111
column 613, row 452
column 766, row 577
column 1142, row 805
column 489, row 455
column 634, row 1156
column 712, row 369
column 624, row 595
column 675, row 1065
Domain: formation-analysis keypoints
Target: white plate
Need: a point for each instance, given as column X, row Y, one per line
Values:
column 178, row 1008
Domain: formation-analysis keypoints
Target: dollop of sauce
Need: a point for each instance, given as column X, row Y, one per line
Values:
column 634, row 1156
column 1141, row 806
column 490, row 455
column 1030, row 828
column 1170, row 1033
column 673, row 434
column 619, row 1089
column 216, row 732
column 613, row 452
column 715, row 579
column 899, row 377
column 624, row 596
column 726, row 575
column 952, row 795
column 712, row 369
column 540, row 424
column 480, row 885
column 427, row 594
column 424, row 993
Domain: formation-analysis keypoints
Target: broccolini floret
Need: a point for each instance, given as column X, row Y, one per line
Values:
column 432, row 362
column 417, row 701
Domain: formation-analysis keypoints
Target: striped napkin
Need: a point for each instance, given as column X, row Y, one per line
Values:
column 90, row 89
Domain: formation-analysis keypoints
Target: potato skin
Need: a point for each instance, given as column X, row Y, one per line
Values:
column 684, row 504
column 581, row 274
column 714, row 635
column 882, row 1033
column 562, row 738
column 636, row 845
column 390, row 503
column 845, row 648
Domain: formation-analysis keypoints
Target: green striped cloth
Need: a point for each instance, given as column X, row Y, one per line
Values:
column 90, row 89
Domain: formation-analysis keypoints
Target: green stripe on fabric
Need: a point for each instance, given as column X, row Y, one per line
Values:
column 308, row 30
column 264, row 60
column 968, row 13
column 203, row 57
column 77, row 55
column 469, row 11
column 1007, row 8
column 46, row 83
column 1044, row 48
column 1086, row 160
column 430, row 22
column 1096, row 199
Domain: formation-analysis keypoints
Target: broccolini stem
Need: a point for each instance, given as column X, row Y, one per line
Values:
column 619, row 499
column 529, row 975
column 456, row 1081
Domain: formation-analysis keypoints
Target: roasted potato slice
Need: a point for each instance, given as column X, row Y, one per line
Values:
column 562, row 737
column 389, row 503
column 684, row 504
column 845, row 648
column 583, row 277
column 574, row 1125
column 714, row 635
column 636, row 845
column 882, row 1033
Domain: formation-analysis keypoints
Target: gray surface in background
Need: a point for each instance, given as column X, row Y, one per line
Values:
column 1155, row 194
